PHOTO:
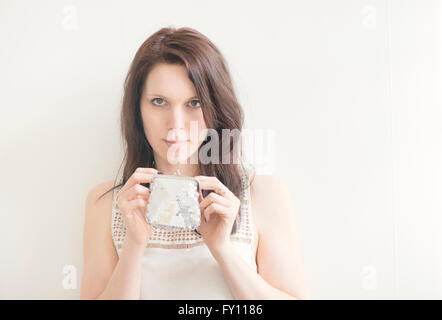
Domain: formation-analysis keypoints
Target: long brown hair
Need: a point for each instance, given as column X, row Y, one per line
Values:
column 208, row 72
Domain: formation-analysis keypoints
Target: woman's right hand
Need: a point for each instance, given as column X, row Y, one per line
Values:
column 132, row 201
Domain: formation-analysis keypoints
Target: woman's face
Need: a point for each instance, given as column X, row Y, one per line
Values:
column 169, row 106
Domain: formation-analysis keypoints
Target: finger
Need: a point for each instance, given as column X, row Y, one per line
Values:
column 216, row 209
column 212, row 183
column 214, row 198
column 132, row 206
column 139, row 176
column 137, row 191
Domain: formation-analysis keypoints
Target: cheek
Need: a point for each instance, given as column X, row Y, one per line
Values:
column 150, row 124
column 196, row 128
column 202, row 127
column 201, row 123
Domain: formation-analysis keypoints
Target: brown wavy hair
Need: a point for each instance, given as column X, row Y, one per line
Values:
column 207, row 69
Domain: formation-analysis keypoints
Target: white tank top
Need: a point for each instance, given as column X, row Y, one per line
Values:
column 178, row 264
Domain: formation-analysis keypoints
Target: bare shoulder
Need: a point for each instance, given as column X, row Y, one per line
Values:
column 98, row 208
column 98, row 194
column 266, row 191
column 266, row 188
column 264, row 182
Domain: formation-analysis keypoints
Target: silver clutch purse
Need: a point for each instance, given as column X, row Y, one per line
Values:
column 173, row 202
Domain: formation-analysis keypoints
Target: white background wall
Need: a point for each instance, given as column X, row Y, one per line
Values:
column 350, row 89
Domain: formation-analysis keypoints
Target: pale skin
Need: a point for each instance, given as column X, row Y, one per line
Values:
column 278, row 255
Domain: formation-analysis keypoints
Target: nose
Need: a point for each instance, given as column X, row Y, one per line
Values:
column 177, row 120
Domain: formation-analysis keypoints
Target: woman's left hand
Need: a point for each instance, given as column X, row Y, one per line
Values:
column 218, row 212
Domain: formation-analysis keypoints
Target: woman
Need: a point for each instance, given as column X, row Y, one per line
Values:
column 246, row 246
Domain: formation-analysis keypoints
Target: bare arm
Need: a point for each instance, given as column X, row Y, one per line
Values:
column 126, row 278
column 279, row 254
column 105, row 276
column 280, row 268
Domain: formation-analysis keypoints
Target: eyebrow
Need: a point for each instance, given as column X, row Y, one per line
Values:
column 159, row 95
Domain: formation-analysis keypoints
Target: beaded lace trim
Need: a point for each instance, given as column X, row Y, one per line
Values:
column 170, row 239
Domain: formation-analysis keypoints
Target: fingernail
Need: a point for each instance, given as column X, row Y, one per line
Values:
column 159, row 172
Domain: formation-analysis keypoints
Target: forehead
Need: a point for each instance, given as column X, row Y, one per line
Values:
column 170, row 81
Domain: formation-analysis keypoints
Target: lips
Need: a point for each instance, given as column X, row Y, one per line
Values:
column 171, row 142
column 175, row 141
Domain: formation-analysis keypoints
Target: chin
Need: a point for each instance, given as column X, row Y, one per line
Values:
column 185, row 158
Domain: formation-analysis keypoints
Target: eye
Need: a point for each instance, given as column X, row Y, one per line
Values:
column 195, row 106
column 155, row 103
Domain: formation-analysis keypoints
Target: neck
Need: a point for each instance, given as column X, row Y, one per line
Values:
column 185, row 169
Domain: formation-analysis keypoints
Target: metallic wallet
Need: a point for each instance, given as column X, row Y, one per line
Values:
column 173, row 202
